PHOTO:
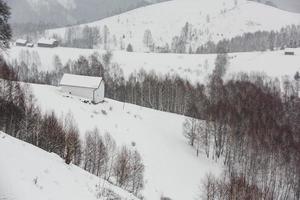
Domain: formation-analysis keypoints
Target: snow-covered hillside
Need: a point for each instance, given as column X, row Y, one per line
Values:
column 171, row 166
column 194, row 67
column 59, row 13
column 29, row 173
column 209, row 20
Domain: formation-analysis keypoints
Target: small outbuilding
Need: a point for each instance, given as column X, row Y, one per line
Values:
column 50, row 43
column 30, row 45
column 21, row 42
column 88, row 87
column 289, row 52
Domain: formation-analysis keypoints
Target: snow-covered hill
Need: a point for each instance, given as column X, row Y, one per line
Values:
column 56, row 12
column 171, row 166
column 209, row 20
column 194, row 67
column 29, row 173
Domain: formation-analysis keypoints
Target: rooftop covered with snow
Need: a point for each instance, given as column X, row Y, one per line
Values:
column 50, row 41
column 21, row 41
column 80, row 81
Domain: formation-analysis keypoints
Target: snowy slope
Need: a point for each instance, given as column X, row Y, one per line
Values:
column 60, row 13
column 190, row 66
column 29, row 173
column 171, row 166
column 165, row 20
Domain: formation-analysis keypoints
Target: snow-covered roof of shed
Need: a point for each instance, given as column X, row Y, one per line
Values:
column 21, row 41
column 47, row 41
column 80, row 81
column 289, row 49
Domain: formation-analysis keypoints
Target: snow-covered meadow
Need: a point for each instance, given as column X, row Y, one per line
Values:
column 193, row 67
column 172, row 168
column 28, row 172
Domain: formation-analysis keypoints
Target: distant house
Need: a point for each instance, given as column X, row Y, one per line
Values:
column 30, row 45
column 88, row 87
column 289, row 52
column 50, row 43
column 21, row 42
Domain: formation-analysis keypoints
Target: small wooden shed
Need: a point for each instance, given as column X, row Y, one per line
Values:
column 21, row 42
column 31, row 45
column 88, row 87
column 289, row 52
column 50, row 43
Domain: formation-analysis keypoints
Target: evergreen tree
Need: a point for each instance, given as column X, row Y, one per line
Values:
column 148, row 39
column 5, row 30
column 129, row 48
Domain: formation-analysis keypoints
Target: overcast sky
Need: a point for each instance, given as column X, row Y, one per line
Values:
column 292, row 5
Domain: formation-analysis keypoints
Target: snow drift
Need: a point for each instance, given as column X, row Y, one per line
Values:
column 30, row 173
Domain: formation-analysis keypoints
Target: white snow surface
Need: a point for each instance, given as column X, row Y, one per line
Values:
column 46, row 41
column 210, row 19
column 30, row 173
column 80, row 81
column 171, row 166
column 193, row 67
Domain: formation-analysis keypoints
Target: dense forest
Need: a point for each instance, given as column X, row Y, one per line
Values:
column 94, row 37
column 287, row 37
column 257, row 41
column 252, row 125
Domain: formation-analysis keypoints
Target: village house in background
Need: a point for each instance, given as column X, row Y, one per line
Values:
column 289, row 51
column 21, row 42
column 50, row 43
column 88, row 87
column 29, row 44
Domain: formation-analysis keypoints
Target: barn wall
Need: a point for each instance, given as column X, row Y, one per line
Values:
column 78, row 91
column 48, row 45
column 99, row 93
column 21, row 44
column 45, row 45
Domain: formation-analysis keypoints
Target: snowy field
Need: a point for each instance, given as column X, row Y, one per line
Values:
column 193, row 67
column 171, row 166
column 211, row 20
column 29, row 173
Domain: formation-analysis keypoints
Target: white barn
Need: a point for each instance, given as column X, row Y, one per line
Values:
column 21, row 42
column 50, row 43
column 88, row 87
